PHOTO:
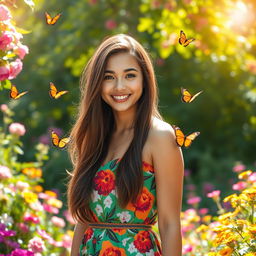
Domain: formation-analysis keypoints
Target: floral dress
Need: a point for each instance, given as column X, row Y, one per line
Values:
column 121, row 241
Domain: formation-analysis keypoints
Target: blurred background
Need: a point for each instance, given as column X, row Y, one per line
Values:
column 221, row 62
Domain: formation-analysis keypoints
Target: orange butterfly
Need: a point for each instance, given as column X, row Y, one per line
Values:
column 57, row 142
column 183, row 140
column 50, row 20
column 54, row 92
column 187, row 97
column 14, row 94
column 183, row 39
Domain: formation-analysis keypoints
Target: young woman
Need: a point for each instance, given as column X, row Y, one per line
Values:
column 128, row 169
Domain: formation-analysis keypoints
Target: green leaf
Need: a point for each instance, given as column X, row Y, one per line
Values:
column 18, row 150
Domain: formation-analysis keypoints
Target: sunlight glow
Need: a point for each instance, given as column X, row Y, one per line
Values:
column 239, row 16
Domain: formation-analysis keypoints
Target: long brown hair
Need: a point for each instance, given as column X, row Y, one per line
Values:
column 91, row 133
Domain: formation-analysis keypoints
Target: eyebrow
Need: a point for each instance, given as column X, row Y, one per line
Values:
column 126, row 70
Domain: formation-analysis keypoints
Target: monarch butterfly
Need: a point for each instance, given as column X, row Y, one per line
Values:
column 14, row 94
column 187, row 97
column 183, row 39
column 54, row 92
column 57, row 142
column 183, row 140
column 50, row 20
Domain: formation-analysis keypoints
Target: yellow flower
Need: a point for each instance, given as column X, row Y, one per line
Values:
column 211, row 254
column 244, row 175
column 250, row 254
column 30, row 197
column 250, row 192
column 233, row 199
column 32, row 172
column 202, row 228
column 207, row 218
column 50, row 193
column 37, row 188
column 54, row 202
column 252, row 228
column 225, row 251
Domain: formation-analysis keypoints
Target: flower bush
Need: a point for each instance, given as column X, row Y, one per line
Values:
column 232, row 231
column 29, row 224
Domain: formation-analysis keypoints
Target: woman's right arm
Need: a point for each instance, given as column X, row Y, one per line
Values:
column 77, row 238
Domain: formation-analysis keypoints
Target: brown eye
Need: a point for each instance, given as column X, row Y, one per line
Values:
column 131, row 75
column 108, row 77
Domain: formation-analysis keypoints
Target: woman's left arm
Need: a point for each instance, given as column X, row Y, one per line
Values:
column 169, row 173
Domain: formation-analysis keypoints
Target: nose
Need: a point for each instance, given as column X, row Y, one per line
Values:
column 120, row 83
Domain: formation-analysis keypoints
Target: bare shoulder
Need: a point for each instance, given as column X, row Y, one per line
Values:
column 161, row 135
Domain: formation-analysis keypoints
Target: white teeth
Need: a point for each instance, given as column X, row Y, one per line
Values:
column 121, row 97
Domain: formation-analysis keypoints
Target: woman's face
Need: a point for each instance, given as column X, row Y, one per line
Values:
column 123, row 82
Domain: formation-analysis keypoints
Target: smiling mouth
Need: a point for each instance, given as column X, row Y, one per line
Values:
column 120, row 98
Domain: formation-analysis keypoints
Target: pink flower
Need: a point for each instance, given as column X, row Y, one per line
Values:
column 21, row 50
column 59, row 222
column 110, row 24
column 92, row 2
column 194, row 200
column 190, row 187
column 4, row 108
column 214, row 194
column 15, row 68
column 67, row 241
column 50, row 209
column 68, row 217
column 44, row 139
column 17, row 128
column 4, row 13
column 239, row 185
column 5, row 172
column 187, row 248
column 21, row 252
column 28, row 217
column 4, row 72
column 251, row 65
column 252, row 178
column 23, row 227
column 203, row 211
column 44, row 234
column 239, row 167
column 36, row 244
column 22, row 185
column 5, row 39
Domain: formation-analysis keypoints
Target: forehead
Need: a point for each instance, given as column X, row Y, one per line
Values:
column 121, row 61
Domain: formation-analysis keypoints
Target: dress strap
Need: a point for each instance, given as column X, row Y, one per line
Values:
column 120, row 225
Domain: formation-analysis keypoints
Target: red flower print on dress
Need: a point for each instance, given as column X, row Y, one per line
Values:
column 142, row 241
column 104, row 182
column 87, row 235
column 143, row 204
column 120, row 231
column 109, row 249
column 147, row 167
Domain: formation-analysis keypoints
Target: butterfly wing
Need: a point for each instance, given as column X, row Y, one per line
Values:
column 55, row 19
column 188, row 41
column 182, row 38
column 179, row 136
column 63, row 142
column 53, row 90
column 14, row 93
column 60, row 94
column 190, row 138
column 55, row 139
column 194, row 96
column 48, row 18
column 186, row 96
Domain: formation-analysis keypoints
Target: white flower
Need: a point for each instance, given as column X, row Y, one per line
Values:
column 132, row 248
column 124, row 216
column 125, row 240
column 95, row 196
column 99, row 209
column 6, row 219
column 150, row 253
column 139, row 254
column 108, row 202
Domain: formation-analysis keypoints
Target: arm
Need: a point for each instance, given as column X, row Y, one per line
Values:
column 169, row 172
column 77, row 238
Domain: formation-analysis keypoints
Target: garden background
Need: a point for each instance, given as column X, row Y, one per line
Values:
column 221, row 62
